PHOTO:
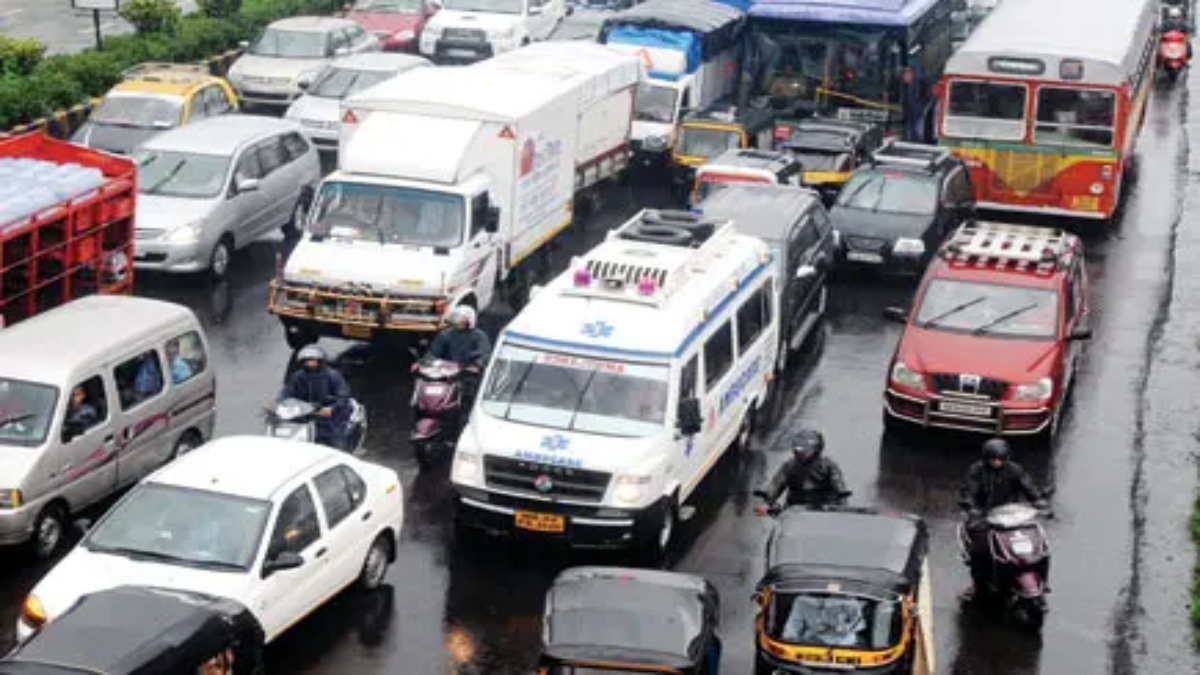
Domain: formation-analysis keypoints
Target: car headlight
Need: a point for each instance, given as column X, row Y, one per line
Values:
column 466, row 465
column 431, row 33
column 656, row 142
column 10, row 499
column 902, row 374
column 1038, row 391
column 630, row 488
column 404, row 35
column 506, row 33
column 909, row 246
column 33, row 612
column 187, row 234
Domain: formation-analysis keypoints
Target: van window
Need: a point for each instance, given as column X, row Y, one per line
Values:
column 86, row 409
column 139, row 379
column 185, row 357
column 718, row 355
column 753, row 317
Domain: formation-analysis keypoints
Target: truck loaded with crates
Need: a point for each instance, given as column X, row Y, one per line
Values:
column 66, row 224
column 452, row 187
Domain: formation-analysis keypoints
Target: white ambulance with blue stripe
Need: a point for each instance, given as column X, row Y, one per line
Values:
column 621, row 384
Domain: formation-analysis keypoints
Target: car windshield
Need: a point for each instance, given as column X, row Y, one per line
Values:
column 562, row 391
column 706, row 142
column 183, row 526
column 338, row 83
column 654, row 103
column 989, row 309
column 387, row 214
column 825, row 620
column 486, row 6
column 388, row 6
column 26, row 409
column 291, row 44
column 181, row 174
column 891, row 192
column 157, row 112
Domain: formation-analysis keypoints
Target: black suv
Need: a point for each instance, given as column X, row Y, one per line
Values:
column 897, row 208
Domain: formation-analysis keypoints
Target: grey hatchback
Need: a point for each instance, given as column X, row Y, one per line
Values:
column 209, row 188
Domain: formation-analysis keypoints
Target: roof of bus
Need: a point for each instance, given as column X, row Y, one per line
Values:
column 867, row 12
column 617, row 327
column 1109, row 36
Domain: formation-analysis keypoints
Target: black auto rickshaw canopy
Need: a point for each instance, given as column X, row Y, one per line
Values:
column 133, row 630
column 635, row 618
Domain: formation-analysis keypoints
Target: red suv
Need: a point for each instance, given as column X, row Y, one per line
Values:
column 991, row 343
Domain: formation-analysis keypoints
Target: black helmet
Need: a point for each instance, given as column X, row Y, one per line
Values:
column 996, row 448
column 807, row 444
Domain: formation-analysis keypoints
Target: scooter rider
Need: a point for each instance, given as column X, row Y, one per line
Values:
column 808, row 477
column 323, row 386
column 465, row 345
column 994, row 480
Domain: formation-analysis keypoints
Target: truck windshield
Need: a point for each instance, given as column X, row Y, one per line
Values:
column 707, row 142
column 563, row 391
column 26, row 409
column 654, row 103
column 486, row 6
column 181, row 174
column 826, row 620
column 389, row 214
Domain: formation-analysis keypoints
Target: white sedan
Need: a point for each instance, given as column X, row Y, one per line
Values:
column 280, row 526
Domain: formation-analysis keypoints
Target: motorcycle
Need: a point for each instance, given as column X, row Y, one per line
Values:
column 1020, row 565
column 1174, row 53
column 812, row 502
column 437, row 403
column 296, row 420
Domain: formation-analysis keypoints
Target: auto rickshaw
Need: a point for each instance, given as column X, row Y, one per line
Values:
column 845, row 589
column 766, row 167
column 619, row 620
column 132, row 630
column 707, row 133
column 829, row 149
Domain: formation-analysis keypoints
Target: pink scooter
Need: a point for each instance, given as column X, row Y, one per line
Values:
column 437, row 403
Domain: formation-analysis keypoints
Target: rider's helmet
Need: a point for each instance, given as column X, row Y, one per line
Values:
column 996, row 452
column 462, row 317
column 311, row 357
column 807, row 445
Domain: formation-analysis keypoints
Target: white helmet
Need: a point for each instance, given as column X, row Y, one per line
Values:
column 462, row 313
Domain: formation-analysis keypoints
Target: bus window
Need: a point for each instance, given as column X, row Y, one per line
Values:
column 1075, row 117
column 986, row 110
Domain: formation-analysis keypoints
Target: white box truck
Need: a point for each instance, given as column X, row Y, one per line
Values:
column 452, row 184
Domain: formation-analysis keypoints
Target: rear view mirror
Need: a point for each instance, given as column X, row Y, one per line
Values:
column 1080, row 334
column 689, row 419
column 243, row 184
column 896, row 314
column 282, row 562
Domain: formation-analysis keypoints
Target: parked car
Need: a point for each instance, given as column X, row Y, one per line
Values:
column 279, row 526
column 396, row 23
column 996, row 331
column 289, row 51
column 152, row 98
column 897, row 209
column 319, row 109
column 208, row 189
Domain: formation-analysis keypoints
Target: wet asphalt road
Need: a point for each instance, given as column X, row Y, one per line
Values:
column 1124, row 470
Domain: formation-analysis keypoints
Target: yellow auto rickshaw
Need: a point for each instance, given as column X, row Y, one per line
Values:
column 705, row 134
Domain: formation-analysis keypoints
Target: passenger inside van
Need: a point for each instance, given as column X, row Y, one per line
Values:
column 81, row 413
column 181, row 370
column 139, row 379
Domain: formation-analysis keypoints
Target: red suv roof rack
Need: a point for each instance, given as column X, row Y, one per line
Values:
column 1000, row 245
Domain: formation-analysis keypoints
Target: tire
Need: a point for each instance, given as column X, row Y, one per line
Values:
column 761, row 667
column 220, row 258
column 188, row 441
column 1030, row 615
column 745, row 433
column 49, row 530
column 295, row 226
column 656, row 541
column 375, row 564
column 421, row 452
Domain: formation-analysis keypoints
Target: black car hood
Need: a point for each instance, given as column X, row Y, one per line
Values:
column 879, row 224
column 116, row 139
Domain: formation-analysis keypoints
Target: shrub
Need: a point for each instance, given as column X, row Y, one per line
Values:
column 19, row 56
column 23, row 99
column 219, row 9
column 150, row 16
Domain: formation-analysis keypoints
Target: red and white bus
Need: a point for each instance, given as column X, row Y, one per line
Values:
column 1045, row 100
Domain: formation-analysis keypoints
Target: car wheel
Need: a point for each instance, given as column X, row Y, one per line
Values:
column 741, row 442
column 189, row 441
column 375, row 565
column 656, row 542
column 48, row 531
column 218, row 262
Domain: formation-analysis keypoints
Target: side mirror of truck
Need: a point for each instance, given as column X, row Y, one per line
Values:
column 690, row 420
column 491, row 221
column 896, row 314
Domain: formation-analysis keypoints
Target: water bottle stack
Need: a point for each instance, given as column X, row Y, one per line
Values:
column 29, row 186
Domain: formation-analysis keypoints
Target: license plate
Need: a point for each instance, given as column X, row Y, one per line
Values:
column 965, row 409
column 1086, row 203
column 460, row 53
column 540, row 522
column 356, row 331
column 860, row 256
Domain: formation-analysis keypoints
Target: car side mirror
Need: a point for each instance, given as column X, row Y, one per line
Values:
column 690, row 420
column 286, row 560
column 304, row 83
column 758, row 598
column 896, row 314
column 491, row 221
column 245, row 185
column 1081, row 334
column 806, row 272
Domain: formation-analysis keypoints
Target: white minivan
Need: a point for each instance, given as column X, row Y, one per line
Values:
column 621, row 384
column 95, row 395
column 465, row 31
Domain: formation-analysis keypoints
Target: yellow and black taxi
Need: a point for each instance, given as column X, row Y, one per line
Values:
column 723, row 126
column 622, row 621
column 829, row 149
column 152, row 98
column 846, row 589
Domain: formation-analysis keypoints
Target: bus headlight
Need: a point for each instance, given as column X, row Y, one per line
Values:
column 629, row 488
column 1097, row 189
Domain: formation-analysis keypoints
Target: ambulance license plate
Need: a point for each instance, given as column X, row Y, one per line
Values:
column 540, row 522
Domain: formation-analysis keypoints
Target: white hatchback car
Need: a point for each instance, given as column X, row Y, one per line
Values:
column 278, row 525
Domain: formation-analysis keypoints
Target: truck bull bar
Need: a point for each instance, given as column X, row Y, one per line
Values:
column 350, row 309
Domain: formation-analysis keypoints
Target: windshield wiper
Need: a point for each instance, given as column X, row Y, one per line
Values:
column 15, row 418
column 167, row 178
column 1002, row 318
column 952, row 311
column 136, row 553
column 579, row 399
column 517, row 389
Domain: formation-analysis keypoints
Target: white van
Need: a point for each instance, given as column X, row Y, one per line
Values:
column 94, row 395
column 616, row 390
